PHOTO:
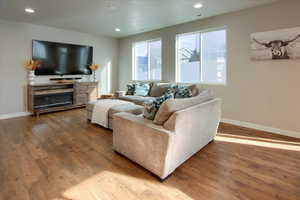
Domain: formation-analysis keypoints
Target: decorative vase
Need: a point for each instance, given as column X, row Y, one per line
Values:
column 31, row 77
column 94, row 76
column 94, row 68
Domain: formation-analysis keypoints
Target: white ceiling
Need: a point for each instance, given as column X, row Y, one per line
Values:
column 101, row 17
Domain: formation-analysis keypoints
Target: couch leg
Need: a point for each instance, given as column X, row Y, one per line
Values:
column 117, row 152
column 162, row 180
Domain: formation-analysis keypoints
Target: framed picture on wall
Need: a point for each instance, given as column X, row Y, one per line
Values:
column 281, row 44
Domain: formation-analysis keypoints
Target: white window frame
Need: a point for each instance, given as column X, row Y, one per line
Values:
column 177, row 70
column 149, row 70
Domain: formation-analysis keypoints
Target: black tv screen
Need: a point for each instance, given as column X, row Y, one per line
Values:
column 62, row 59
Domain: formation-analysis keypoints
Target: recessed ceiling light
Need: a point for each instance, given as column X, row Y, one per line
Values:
column 29, row 10
column 117, row 30
column 198, row 5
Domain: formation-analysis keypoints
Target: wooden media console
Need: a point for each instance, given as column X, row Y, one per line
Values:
column 44, row 98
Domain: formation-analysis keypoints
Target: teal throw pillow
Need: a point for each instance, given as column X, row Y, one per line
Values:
column 142, row 89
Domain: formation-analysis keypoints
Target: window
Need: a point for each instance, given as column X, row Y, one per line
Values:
column 147, row 60
column 201, row 57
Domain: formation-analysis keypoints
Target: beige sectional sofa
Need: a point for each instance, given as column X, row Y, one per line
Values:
column 180, row 129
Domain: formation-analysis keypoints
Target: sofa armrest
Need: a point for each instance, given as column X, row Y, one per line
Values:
column 142, row 142
column 194, row 128
column 197, row 116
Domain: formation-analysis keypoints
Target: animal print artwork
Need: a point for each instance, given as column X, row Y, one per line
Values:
column 276, row 45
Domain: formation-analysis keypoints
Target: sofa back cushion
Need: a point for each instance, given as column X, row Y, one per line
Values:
column 159, row 89
column 172, row 105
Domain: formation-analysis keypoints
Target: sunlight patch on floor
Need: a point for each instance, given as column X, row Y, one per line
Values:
column 261, row 142
column 111, row 185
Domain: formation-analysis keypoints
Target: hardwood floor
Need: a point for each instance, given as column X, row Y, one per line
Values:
column 61, row 156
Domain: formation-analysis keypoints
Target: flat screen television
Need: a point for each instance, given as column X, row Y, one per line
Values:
column 62, row 59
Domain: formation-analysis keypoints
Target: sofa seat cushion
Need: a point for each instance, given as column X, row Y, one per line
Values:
column 136, row 99
column 172, row 105
column 129, row 108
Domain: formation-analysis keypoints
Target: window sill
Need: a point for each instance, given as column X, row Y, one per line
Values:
column 204, row 83
column 147, row 80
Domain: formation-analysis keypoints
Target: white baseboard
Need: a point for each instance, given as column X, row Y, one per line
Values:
column 262, row 128
column 14, row 115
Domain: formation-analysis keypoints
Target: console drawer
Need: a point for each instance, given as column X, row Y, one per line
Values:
column 80, row 89
column 85, row 92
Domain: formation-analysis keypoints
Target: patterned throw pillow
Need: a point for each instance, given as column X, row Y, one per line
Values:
column 130, row 89
column 152, row 106
column 142, row 89
column 181, row 92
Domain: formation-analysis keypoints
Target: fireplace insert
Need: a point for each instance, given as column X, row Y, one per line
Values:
column 53, row 100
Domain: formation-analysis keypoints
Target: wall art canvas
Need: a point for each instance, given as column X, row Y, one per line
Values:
column 276, row 45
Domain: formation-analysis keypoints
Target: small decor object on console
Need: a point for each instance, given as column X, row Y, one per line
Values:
column 31, row 66
column 106, row 96
column 94, row 68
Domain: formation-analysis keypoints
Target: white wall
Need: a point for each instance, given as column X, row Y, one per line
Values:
column 264, row 93
column 15, row 48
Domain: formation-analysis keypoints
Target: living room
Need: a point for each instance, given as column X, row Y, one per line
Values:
column 212, row 114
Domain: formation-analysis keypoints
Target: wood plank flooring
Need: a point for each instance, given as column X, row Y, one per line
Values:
column 60, row 156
